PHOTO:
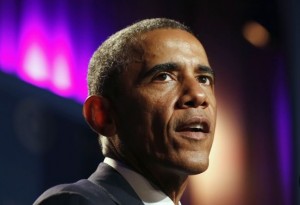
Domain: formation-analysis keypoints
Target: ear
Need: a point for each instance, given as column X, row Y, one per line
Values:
column 97, row 112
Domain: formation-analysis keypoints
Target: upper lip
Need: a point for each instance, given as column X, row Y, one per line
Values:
column 194, row 124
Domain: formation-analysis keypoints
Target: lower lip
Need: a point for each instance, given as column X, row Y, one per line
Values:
column 194, row 135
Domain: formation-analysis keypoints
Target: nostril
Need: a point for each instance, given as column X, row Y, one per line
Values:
column 190, row 104
column 204, row 104
column 195, row 104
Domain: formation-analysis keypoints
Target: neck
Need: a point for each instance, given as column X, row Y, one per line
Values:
column 169, row 180
column 172, row 183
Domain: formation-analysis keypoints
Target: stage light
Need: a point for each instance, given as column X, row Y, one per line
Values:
column 61, row 74
column 256, row 34
column 226, row 172
column 35, row 65
column 44, row 48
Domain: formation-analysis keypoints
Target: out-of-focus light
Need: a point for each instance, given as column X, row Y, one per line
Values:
column 35, row 64
column 61, row 62
column 7, row 51
column 8, row 37
column 284, row 136
column 32, row 51
column 256, row 34
column 43, row 46
column 224, row 181
column 61, row 74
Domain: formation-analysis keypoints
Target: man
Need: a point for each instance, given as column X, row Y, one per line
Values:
column 152, row 102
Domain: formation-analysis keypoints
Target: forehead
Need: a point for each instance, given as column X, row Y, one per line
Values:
column 171, row 44
column 164, row 34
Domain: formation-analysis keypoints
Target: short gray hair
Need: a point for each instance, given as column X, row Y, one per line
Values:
column 118, row 51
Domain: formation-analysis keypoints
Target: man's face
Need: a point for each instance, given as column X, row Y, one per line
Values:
column 166, row 109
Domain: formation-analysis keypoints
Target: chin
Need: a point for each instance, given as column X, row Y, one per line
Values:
column 186, row 164
column 196, row 165
column 199, row 169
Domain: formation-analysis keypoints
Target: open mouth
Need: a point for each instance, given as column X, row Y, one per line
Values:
column 194, row 125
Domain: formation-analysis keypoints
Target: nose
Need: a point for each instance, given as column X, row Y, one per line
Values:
column 192, row 95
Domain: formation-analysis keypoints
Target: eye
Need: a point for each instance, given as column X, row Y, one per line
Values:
column 206, row 80
column 162, row 77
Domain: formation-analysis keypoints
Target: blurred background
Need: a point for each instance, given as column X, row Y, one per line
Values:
column 253, row 45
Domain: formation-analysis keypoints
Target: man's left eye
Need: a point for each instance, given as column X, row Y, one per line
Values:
column 205, row 80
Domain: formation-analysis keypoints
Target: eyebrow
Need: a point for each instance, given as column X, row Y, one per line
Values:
column 206, row 69
column 165, row 67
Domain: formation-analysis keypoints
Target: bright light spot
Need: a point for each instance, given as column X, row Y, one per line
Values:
column 256, row 34
column 35, row 64
column 223, row 183
column 61, row 73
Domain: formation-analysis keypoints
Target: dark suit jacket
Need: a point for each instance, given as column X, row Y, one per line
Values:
column 105, row 186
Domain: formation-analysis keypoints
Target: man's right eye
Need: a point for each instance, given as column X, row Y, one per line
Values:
column 162, row 77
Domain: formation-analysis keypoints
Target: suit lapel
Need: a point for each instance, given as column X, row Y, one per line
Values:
column 116, row 186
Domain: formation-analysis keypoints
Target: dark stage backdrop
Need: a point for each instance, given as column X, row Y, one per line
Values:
column 44, row 141
column 252, row 45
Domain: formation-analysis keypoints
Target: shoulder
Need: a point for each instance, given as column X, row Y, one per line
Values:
column 82, row 192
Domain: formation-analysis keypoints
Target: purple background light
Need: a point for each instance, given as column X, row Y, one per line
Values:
column 43, row 48
column 8, row 37
column 33, row 66
column 283, row 129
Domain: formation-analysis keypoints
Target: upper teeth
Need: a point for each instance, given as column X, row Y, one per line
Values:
column 198, row 126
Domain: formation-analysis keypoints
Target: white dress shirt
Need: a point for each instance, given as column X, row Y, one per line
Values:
column 148, row 193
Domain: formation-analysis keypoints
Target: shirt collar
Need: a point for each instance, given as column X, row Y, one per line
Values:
column 148, row 193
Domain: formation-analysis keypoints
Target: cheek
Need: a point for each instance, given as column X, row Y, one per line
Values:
column 146, row 112
column 157, row 110
column 158, row 100
column 212, row 102
column 162, row 112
